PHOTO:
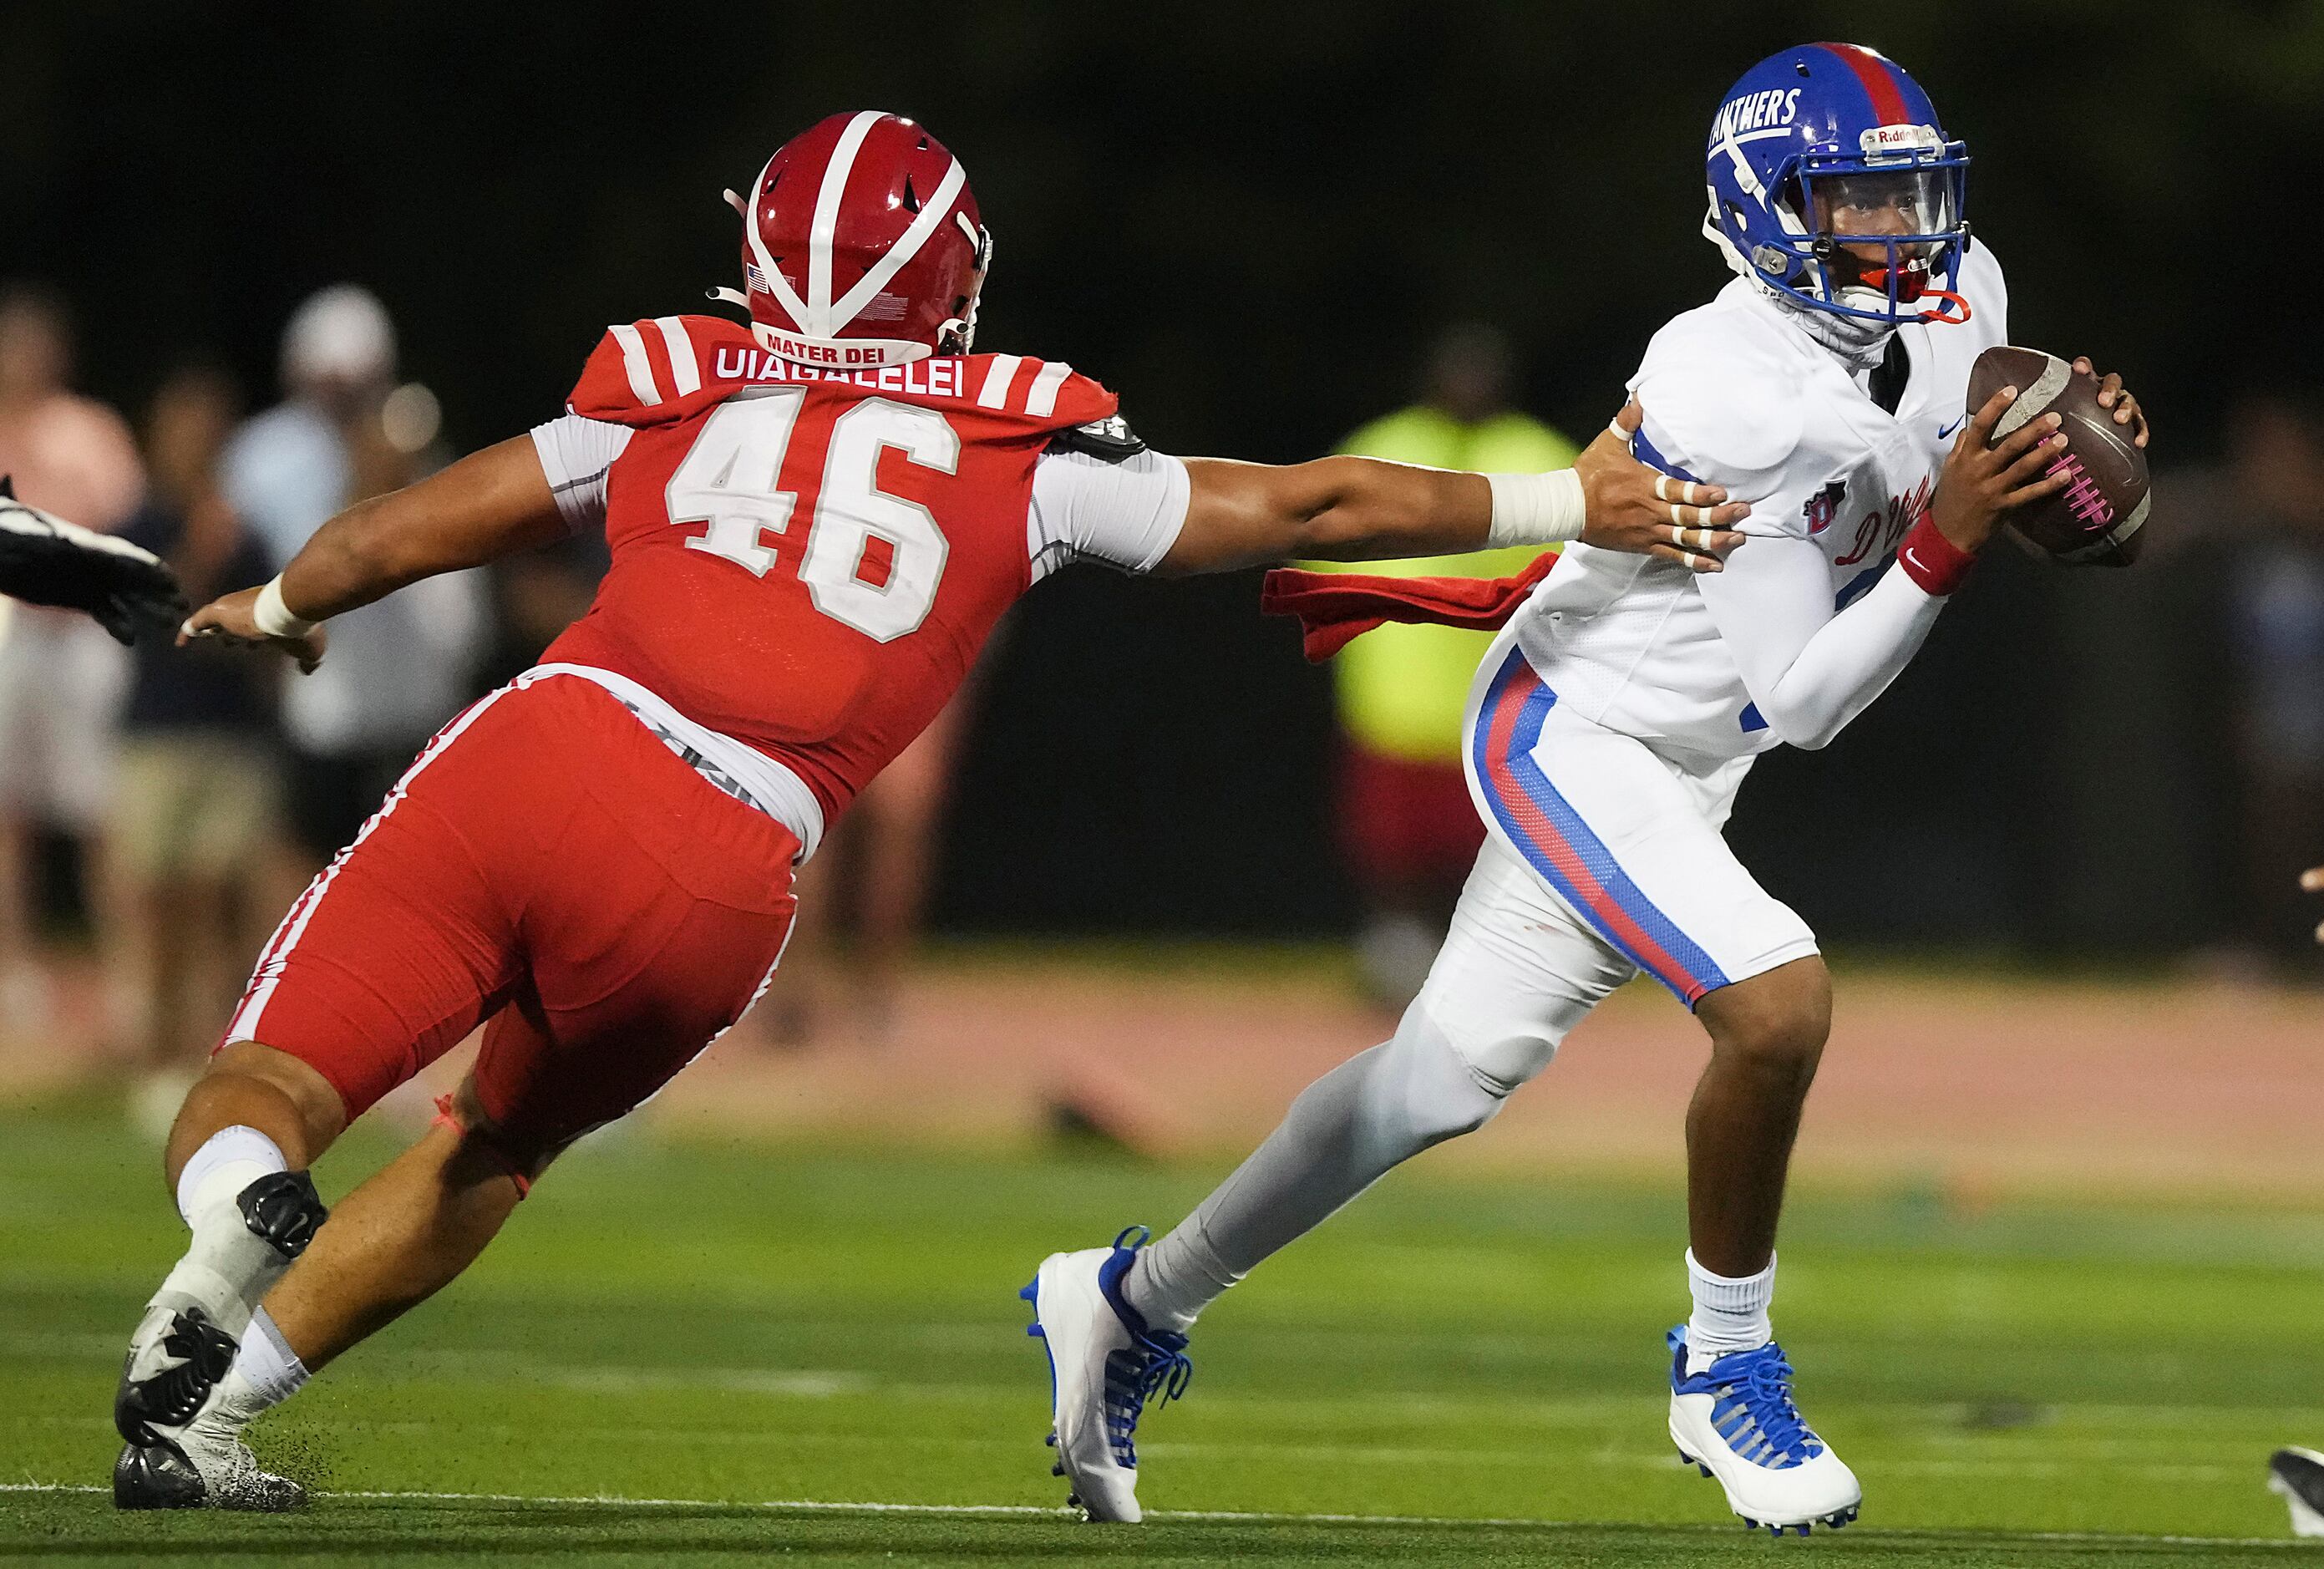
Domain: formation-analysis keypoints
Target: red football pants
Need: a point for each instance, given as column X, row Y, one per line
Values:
column 549, row 865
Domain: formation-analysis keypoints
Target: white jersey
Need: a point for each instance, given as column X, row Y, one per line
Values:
column 1806, row 625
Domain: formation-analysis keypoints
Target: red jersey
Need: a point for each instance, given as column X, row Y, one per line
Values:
column 809, row 560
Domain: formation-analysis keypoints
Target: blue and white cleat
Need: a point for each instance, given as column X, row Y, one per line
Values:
column 1104, row 1365
column 1735, row 1421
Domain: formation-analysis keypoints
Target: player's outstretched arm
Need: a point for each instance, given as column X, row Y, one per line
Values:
column 489, row 505
column 1361, row 509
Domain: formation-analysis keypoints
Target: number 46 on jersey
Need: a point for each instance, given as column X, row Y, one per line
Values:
column 729, row 479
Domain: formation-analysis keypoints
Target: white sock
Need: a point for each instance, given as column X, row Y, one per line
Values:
column 231, row 1161
column 1729, row 1314
column 268, row 1365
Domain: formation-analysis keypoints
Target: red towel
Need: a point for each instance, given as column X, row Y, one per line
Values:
column 1335, row 608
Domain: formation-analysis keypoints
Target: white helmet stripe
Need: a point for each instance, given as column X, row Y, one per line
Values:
column 931, row 219
column 826, row 220
column 777, row 284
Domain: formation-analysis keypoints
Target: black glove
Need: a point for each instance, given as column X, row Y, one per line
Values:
column 45, row 560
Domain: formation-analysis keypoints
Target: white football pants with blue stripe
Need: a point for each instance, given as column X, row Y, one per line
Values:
column 1626, row 839
column 1604, row 858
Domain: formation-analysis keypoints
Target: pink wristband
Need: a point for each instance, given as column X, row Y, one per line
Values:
column 1934, row 562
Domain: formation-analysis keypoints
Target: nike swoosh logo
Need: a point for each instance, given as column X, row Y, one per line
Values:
column 1913, row 561
column 1945, row 430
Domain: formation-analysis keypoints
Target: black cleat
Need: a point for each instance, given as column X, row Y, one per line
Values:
column 181, row 1351
column 2297, row 1476
column 169, row 1392
column 156, row 1477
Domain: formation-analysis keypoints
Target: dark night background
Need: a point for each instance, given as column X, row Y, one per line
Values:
column 1246, row 219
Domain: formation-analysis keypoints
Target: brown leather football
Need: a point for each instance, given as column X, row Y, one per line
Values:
column 2099, row 520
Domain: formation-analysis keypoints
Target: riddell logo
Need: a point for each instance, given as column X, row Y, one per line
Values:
column 1898, row 138
column 2082, row 496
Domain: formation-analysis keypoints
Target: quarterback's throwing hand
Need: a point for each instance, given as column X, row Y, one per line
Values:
column 1645, row 512
column 231, row 620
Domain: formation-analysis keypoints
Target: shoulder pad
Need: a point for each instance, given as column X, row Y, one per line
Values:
column 1050, row 393
column 1110, row 439
column 1720, row 395
column 658, row 369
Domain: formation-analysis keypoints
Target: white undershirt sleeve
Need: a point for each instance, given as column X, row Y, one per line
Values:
column 575, row 453
column 1126, row 513
column 1809, row 670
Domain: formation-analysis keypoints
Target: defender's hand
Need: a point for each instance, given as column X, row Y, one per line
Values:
column 1981, row 483
column 1636, row 508
column 229, row 621
column 2112, row 394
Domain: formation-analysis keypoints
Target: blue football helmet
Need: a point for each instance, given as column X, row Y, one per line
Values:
column 1832, row 182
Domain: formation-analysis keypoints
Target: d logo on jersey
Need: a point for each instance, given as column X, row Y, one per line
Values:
column 1823, row 506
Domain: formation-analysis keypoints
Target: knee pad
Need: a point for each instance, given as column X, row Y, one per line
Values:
column 1499, row 1049
column 1427, row 1085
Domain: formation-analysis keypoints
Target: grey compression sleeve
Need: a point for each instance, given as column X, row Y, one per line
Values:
column 1345, row 1131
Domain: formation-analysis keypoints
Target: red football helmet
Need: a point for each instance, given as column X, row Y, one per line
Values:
column 862, row 246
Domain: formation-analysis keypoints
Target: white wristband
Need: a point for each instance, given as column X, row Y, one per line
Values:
column 273, row 617
column 1537, row 509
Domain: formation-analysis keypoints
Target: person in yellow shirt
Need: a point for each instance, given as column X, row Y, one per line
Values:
column 1406, row 826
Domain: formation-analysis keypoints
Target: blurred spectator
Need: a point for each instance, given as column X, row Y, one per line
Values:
column 2274, row 606
column 195, row 809
column 60, row 676
column 1405, row 825
column 397, row 669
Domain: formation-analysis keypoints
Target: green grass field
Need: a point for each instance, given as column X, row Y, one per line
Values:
column 680, row 1354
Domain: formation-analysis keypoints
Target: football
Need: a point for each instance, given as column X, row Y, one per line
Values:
column 2099, row 518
